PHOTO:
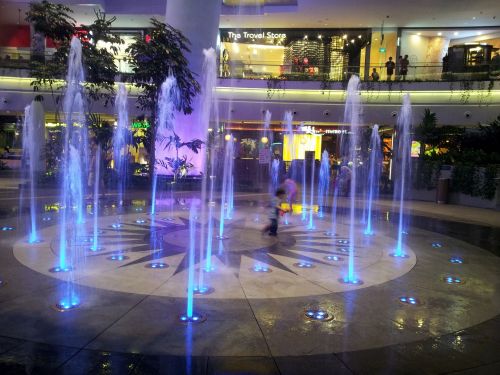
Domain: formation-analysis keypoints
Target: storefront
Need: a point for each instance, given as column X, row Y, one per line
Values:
column 292, row 53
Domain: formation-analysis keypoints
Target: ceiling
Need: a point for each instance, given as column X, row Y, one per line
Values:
column 302, row 14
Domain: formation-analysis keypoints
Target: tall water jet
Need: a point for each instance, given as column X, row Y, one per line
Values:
column 275, row 172
column 227, row 184
column 324, row 183
column 402, row 163
column 352, row 116
column 375, row 167
column 304, row 202
column 121, row 141
column 310, row 224
column 33, row 162
column 74, row 165
column 97, row 168
column 75, row 144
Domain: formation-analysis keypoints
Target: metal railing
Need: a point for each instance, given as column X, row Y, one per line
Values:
column 415, row 72
column 429, row 71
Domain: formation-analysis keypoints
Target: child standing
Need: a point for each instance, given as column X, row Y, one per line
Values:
column 274, row 214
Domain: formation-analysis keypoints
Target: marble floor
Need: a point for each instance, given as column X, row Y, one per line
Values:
column 434, row 311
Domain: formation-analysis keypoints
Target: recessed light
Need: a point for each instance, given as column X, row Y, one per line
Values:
column 320, row 36
column 455, row 33
column 419, row 33
column 440, row 33
column 344, row 36
column 479, row 33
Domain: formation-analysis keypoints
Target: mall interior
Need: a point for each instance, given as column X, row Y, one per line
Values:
column 249, row 187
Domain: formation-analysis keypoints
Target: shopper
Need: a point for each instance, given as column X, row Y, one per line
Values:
column 275, row 213
column 404, row 67
column 390, row 68
column 375, row 76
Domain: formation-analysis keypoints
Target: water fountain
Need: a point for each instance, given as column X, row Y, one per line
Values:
column 324, row 182
column 95, row 243
column 73, row 167
column 352, row 116
column 292, row 172
column 375, row 167
column 403, row 173
column 310, row 224
column 275, row 173
column 33, row 131
column 121, row 140
column 227, row 185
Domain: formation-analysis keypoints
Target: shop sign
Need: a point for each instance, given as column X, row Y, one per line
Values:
column 336, row 131
column 381, row 50
column 140, row 124
column 308, row 129
column 261, row 35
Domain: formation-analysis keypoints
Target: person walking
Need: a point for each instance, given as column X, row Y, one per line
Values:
column 275, row 213
column 390, row 65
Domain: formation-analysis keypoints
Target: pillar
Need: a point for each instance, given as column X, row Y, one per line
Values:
column 198, row 20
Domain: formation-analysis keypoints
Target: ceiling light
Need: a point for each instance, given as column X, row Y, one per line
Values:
column 319, row 36
column 455, row 33
column 344, row 36
column 473, row 18
column 419, row 33
column 479, row 33
column 352, row 40
column 305, row 36
column 440, row 33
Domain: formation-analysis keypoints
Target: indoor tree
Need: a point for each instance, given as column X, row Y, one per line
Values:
column 153, row 57
column 54, row 21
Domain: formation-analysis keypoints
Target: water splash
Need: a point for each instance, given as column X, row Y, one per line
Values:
column 324, row 182
column 32, row 130
column 373, row 177
column 403, row 175
column 121, row 140
column 97, row 168
column 310, row 225
column 352, row 116
column 191, row 259
column 227, row 184
column 275, row 172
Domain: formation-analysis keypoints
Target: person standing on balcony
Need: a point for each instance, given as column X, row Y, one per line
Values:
column 390, row 68
column 404, row 67
column 375, row 76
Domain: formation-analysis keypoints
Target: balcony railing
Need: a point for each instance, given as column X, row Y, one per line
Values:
column 272, row 70
column 416, row 72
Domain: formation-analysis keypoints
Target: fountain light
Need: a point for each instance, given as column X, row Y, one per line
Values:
column 6, row 229
column 64, row 306
column 194, row 318
column 456, row 260
column 352, row 281
column 436, row 245
column 304, row 265
column 46, row 218
column 96, row 248
column 203, row 290
column 140, row 221
column 156, row 265
column 319, row 315
column 117, row 225
column 343, row 242
column 260, row 269
column 117, row 257
column 330, row 233
column 409, row 300
column 452, row 280
column 333, row 258
column 344, row 250
column 61, row 269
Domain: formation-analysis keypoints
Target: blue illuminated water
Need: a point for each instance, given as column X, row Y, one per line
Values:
column 97, row 168
column 402, row 163
column 310, row 224
column 352, row 116
column 121, row 140
column 375, row 169
column 324, row 182
column 227, row 195
column 191, row 259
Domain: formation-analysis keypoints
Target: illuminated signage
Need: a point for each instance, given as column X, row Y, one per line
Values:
column 381, row 49
column 140, row 124
column 308, row 129
column 261, row 35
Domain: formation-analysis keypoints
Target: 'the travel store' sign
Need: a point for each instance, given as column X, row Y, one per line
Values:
column 236, row 36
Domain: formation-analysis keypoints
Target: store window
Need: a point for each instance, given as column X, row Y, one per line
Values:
column 292, row 54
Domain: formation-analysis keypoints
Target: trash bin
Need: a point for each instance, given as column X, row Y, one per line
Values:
column 442, row 190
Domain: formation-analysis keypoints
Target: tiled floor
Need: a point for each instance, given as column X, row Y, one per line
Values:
column 125, row 328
